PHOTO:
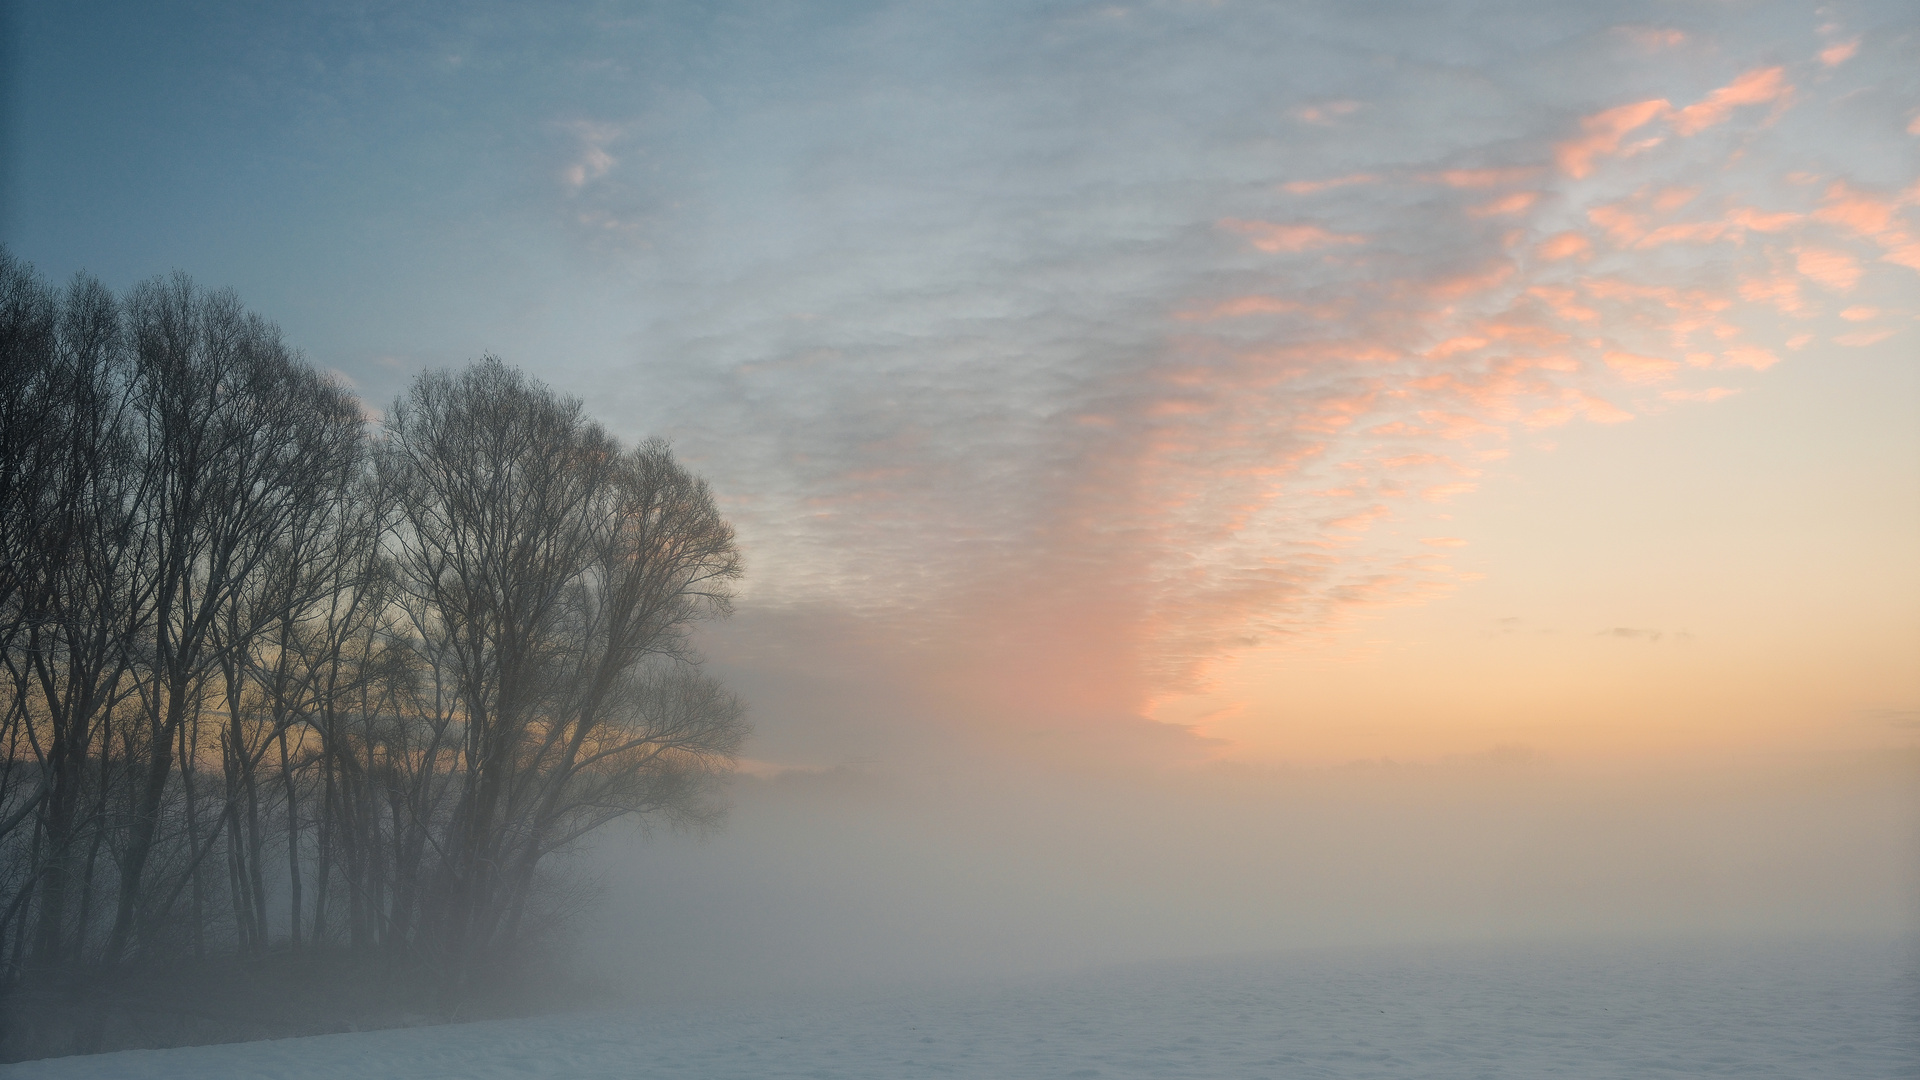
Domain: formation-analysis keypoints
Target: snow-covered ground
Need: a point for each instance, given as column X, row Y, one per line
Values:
column 1593, row 1010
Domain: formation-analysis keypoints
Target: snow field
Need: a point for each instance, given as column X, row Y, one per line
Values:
column 1643, row 1010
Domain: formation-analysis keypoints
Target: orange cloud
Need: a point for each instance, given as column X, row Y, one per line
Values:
column 1781, row 290
column 1563, row 302
column 1623, row 226
column 1746, row 217
column 1361, row 521
column 1518, row 202
column 1862, row 338
column 1463, row 343
column 1485, row 178
column 1271, row 237
column 1837, row 270
column 1711, row 393
column 1564, row 245
column 1641, row 369
column 1463, row 285
column 1756, row 87
column 1241, row 306
column 1310, row 187
column 1855, row 210
column 1324, row 113
column 1750, row 356
column 1654, row 38
column 1698, row 232
column 1839, row 53
column 1674, row 198
column 1601, row 134
column 1443, row 492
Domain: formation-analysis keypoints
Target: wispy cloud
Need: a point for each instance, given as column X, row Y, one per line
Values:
column 1119, row 344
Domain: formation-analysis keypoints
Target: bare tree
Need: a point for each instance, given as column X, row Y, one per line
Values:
column 237, row 634
column 242, row 435
column 545, row 566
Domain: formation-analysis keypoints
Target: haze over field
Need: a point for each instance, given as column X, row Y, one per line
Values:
column 1214, row 477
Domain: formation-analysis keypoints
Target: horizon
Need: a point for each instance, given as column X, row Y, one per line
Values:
column 1210, row 477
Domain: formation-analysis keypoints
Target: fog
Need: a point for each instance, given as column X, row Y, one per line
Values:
column 857, row 876
column 949, row 854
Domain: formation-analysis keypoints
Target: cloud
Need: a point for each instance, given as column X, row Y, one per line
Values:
column 1750, row 356
column 1836, row 270
column 1839, row 52
column 1759, row 86
column 1601, row 134
column 592, row 160
column 1327, row 113
column 1268, row 236
column 1641, row 369
column 1314, row 187
column 1565, row 245
column 1705, row 394
column 1653, row 38
column 1117, row 358
column 1518, row 202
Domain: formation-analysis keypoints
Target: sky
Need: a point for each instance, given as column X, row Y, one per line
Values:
column 1156, row 393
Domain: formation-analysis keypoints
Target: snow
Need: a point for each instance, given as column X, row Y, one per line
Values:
column 1672, row 1009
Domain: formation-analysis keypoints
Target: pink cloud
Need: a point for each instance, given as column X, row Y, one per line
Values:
column 1324, row 113
column 1564, row 245
column 1601, row 134
column 1271, row 237
column 1839, row 53
column 1711, row 393
column 1837, row 270
column 1361, row 521
column 1781, row 290
column 1458, row 286
column 1641, row 369
column 1444, row 492
column 1876, row 218
column 1654, row 38
column 1518, row 202
column 1746, row 217
column 1858, row 211
column 1674, row 198
column 1750, row 356
column 1454, row 345
column 1692, row 232
column 1757, row 87
column 1239, row 307
column 1310, row 187
column 1904, row 254
column 1563, row 302
column 1861, row 338
column 1622, row 225
column 1412, row 370
column 1485, row 178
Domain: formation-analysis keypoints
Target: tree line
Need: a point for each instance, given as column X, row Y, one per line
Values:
column 278, row 677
